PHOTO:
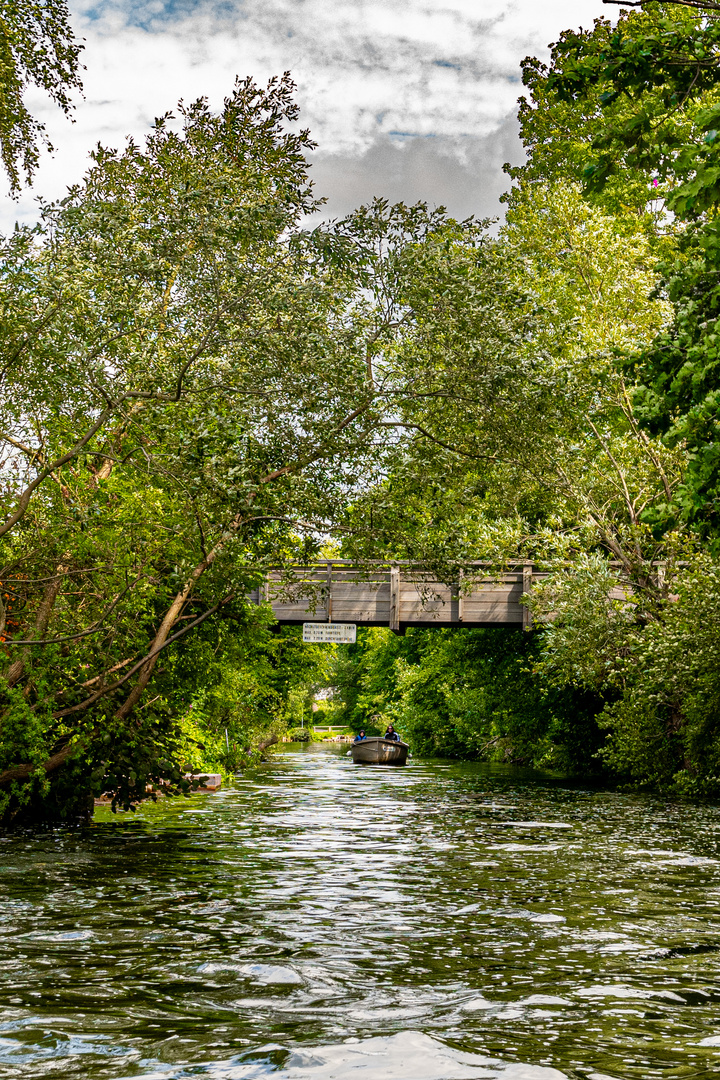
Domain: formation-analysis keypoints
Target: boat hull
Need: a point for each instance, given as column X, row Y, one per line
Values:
column 379, row 752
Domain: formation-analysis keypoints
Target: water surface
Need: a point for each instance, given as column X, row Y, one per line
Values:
column 323, row 921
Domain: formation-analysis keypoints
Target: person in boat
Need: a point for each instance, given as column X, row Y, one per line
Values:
column 361, row 736
column 391, row 734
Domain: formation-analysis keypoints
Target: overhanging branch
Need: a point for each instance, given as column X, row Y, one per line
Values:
column 699, row 5
column 24, row 771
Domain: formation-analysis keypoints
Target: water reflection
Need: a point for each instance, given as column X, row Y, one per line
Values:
column 322, row 920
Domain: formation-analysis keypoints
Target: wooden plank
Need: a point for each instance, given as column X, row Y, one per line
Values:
column 473, row 611
column 299, row 575
column 396, row 596
column 344, row 593
column 488, row 595
column 495, row 615
column 476, row 611
column 350, row 596
column 365, row 615
column 425, row 589
column 416, row 606
column 477, row 589
column 383, row 609
column 304, row 603
column 372, row 585
column 298, row 606
column 362, row 575
column 428, row 604
column 512, row 588
column 421, row 614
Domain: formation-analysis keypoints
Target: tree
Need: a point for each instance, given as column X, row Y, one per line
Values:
column 194, row 388
column 532, row 448
column 651, row 85
column 645, row 93
column 37, row 45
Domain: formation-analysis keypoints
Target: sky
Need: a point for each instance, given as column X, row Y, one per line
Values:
column 408, row 99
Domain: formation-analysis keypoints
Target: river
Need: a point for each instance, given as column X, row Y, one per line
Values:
column 319, row 920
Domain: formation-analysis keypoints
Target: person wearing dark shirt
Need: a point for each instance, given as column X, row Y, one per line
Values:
column 360, row 736
column 391, row 734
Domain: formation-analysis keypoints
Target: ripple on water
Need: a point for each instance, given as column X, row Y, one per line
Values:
column 408, row 1055
column 316, row 920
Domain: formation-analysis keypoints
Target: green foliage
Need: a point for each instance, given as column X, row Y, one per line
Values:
column 649, row 87
column 236, row 687
column 467, row 693
column 36, row 46
column 193, row 388
column 546, row 460
column 300, row 734
column 652, row 656
column 672, row 715
column 679, row 392
column 643, row 96
column 557, row 463
column 589, row 616
column 582, row 120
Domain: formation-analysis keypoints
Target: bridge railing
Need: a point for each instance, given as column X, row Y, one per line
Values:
column 398, row 595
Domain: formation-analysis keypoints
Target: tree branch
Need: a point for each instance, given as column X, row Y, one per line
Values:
column 56, row 464
column 303, row 463
column 445, row 446
column 84, row 705
column 83, row 633
column 643, row 437
column 621, row 475
column 22, row 772
column 32, row 451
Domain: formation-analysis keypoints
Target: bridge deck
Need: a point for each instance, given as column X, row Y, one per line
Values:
column 398, row 596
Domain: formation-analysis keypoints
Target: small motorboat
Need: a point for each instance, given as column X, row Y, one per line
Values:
column 379, row 751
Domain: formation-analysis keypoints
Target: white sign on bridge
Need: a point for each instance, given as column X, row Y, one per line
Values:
column 342, row 633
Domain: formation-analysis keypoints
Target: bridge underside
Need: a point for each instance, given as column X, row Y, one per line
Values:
column 397, row 596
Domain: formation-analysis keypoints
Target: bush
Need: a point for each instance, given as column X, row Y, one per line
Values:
column 468, row 693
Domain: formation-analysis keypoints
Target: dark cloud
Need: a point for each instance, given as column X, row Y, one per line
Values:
column 466, row 179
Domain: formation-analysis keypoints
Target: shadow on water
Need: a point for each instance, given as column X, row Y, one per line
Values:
column 320, row 920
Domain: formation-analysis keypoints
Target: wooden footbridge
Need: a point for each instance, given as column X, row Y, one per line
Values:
column 398, row 595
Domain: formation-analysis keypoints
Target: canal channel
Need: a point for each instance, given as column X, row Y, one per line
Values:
column 316, row 920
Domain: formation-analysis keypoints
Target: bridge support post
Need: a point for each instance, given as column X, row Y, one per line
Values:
column 527, row 586
column 394, row 598
column 328, row 591
column 661, row 576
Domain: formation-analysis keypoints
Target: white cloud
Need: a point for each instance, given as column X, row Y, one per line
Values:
column 408, row 98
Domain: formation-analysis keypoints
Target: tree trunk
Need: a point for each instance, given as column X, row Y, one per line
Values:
column 171, row 617
column 42, row 621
